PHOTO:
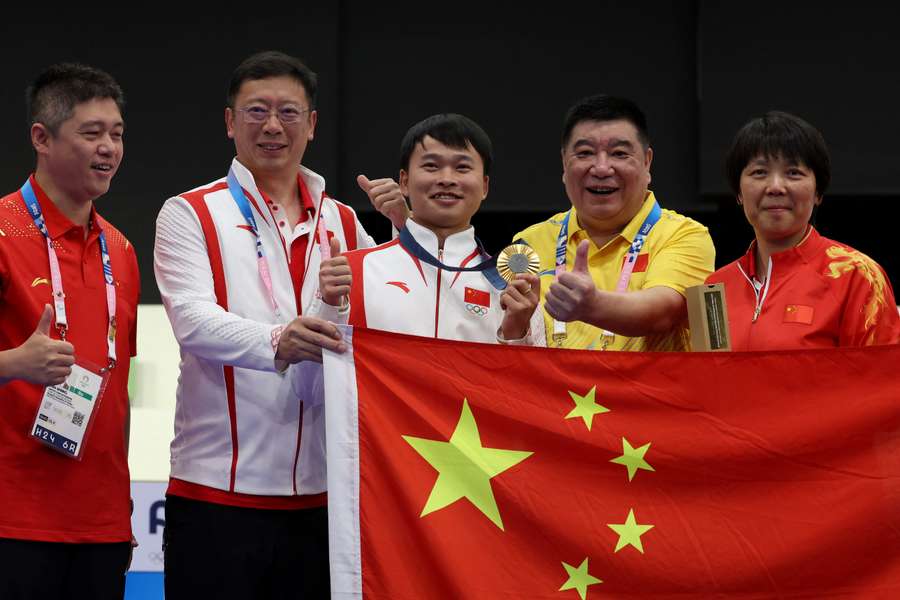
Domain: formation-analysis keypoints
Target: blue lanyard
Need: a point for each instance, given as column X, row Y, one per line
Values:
column 644, row 231
column 488, row 266
column 59, row 296
column 562, row 239
column 262, row 265
column 562, row 242
column 241, row 200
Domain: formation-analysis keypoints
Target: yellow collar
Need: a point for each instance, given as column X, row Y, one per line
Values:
column 628, row 232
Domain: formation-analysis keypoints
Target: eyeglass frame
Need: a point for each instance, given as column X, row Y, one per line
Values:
column 269, row 112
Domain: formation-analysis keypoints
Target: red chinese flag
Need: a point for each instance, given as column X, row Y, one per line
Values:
column 463, row 470
column 640, row 264
column 479, row 297
column 798, row 313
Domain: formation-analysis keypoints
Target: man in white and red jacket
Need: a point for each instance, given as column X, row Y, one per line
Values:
column 431, row 280
column 237, row 265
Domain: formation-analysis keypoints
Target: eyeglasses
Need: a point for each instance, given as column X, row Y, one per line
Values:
column 258, row 115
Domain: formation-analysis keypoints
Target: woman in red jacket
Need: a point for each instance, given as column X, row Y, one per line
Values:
column 794, row 288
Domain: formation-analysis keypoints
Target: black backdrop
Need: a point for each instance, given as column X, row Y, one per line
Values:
column 699, row 69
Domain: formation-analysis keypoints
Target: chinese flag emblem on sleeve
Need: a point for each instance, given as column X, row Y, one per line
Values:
column 461, row 470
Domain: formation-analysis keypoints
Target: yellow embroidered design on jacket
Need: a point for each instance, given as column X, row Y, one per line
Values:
column 848, row 261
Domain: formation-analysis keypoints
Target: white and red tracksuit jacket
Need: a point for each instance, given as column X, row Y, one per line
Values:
column 239, row 428
column 394, row 291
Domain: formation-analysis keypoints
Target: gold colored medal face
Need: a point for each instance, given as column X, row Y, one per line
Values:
column 516, row 259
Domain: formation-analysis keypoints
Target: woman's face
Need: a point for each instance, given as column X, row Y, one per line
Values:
column 778, row 197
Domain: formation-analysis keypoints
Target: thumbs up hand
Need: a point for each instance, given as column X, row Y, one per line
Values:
column 573, row 293
column 41, row 359
column 335, row 276
column 581, row 261
column 386, row 197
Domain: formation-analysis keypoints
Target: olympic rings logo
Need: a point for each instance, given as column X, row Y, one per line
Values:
column 475, row 309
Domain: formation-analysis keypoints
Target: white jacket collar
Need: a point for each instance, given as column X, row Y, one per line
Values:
column 315, row 184
column 457, row 247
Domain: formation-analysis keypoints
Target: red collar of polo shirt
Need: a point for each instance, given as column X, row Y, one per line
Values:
column 57, row 223
column 306, row 203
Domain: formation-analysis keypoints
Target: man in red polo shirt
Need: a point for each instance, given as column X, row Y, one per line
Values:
column 69, row 287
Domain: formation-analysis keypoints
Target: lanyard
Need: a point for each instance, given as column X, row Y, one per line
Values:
column 488, row 266
column 562, row 241
column 59, row 297
column 262, row 265
column 559, row 327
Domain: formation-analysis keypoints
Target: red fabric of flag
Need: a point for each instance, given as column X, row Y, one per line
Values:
column 766, row 476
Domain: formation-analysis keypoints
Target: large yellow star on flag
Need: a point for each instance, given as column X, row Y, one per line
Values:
column 465, row 468
column 586, row 407
column 633, row 458
column 579, row 578
column 630, row 532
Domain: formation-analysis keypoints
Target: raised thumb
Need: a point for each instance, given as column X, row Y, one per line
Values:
column 335, row 245
column 581, row 260
column 363, row 182
column 43, row 326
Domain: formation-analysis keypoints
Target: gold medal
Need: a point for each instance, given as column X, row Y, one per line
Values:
column 516, row 259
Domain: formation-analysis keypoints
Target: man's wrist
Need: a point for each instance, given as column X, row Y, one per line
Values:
column 276, row 338
column 594, row 313
column 503, row 339
column 8, row 365
column 510, row 333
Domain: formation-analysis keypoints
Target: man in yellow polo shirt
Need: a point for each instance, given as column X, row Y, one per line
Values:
column 614, row 267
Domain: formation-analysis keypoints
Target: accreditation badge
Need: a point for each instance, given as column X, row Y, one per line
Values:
column 67, row 410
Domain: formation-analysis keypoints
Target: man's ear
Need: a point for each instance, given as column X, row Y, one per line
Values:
column 404, row 183
column 649, row 158
column 313, row 119
column 40, row 138
column 562, row 156
column 487, row 186
column 229, row 122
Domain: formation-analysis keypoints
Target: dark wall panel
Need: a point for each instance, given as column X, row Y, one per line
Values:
column 516, row 74
column 175, row 76
column 835, row 65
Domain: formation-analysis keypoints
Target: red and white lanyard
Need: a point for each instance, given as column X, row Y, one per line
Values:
column 59, row 296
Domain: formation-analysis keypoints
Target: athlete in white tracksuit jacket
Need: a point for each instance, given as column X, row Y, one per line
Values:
column 445, row 163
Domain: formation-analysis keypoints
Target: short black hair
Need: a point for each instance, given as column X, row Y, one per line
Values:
column 778, row 134
column 603, row 107
column 51, row 98
column 452, row 130
column 272, row 63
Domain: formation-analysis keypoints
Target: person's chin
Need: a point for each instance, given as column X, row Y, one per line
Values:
column 603, row 207
column 98, row 188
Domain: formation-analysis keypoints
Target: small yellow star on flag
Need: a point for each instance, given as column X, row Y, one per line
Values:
column 579, row 578
column 465, row 468
column 633, row 458
column 630, row 532
column 586, row 407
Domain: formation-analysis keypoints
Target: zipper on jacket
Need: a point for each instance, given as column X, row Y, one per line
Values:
column 299, row 442
column 760, row 299
column 437, row 301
